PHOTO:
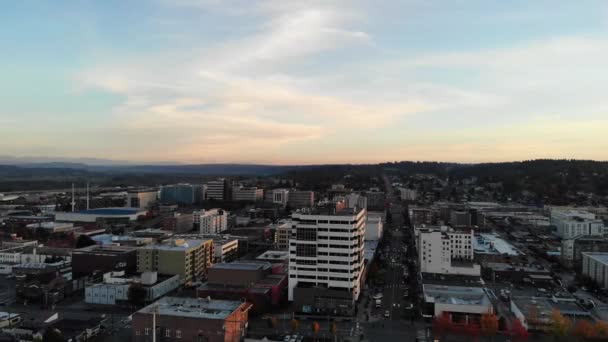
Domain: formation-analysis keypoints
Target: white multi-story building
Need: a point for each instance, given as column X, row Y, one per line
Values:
column 595, row 266
column 211, row 221
column 326, row 261
column 252, row 194
column 408, row 194
column 218, row 189
column 573, row 223
column 446, row 251
column 356, row 201
column 374, row 226
column 280, row 196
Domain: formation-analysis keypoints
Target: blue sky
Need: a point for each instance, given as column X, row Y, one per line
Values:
column 287, row 82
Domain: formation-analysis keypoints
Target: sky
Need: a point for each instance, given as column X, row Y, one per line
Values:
column 304, row 82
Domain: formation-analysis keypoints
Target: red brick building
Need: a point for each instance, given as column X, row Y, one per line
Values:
column 192, row 319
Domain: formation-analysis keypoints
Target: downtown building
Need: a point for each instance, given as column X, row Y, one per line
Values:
column 213, row 221
column 182, row 194
column 299, row 199
column 574, row 223
column 444, row 250
column 251, row 194
column 218, row 190
column 326, row 259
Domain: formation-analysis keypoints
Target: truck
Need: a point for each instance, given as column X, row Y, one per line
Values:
column 378, row 303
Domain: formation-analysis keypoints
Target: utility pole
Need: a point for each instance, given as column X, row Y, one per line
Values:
column 154, row 324
column 73, row 198
column 87, row 195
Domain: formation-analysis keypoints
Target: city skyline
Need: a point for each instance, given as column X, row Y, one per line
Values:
column 292, row 82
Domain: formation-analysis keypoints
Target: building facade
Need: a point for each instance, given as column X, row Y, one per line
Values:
column 211, row 221
column 141, row 198
column 573, row 223
column 299, row 199
column 182, row 194
column 191, row 319
column 218, row 190
column 444, row 250
column 190, row 259
column 572, row 249
column 326, row 261
column 595, row 266
column 281, row 235
column 103, row 259
column 243, row 194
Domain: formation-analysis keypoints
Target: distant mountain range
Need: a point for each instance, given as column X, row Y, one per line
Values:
column 21, row 164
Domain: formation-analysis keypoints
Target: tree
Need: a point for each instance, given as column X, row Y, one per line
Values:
column 137, row 294
column 583, row 329
column 518, row 331
column 560, row 325
column 532, row 318
column 333, row 328
column 52, row 335
column 601, row 329
column 442, row 322
column 315, row 328
column 84, row 241
column 295, row 325
column 489, row 324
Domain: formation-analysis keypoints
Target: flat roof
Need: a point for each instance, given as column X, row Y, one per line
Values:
column 244, row 266
column 493, row 244
column 176, row 244
column 599, row 257
column 192, row 307
column 459, row 295
column 278, row 255
column 111, row 211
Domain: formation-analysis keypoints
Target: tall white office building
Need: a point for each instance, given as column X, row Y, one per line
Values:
column 326, row 259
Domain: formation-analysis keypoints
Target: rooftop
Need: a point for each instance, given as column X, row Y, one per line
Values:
column 599, row 257
column 493, row 244
column 274, row 255
column 243, row 266
column 111, row 211
column 192, row 307
column 457, row 295
column 107, row 250
column 177, row 244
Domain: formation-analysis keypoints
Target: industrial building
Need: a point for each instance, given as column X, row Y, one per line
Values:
column 93, row 215
column 114, row 288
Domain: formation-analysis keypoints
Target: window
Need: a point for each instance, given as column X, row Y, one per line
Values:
column 306, row 234
column 304, row 250
column 168, row 333
column 147, row 331
column 178, row 334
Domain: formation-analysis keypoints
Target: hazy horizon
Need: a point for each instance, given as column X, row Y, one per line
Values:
column 297, row 83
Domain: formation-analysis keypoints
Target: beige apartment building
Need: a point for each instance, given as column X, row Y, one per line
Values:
column 190, row 259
